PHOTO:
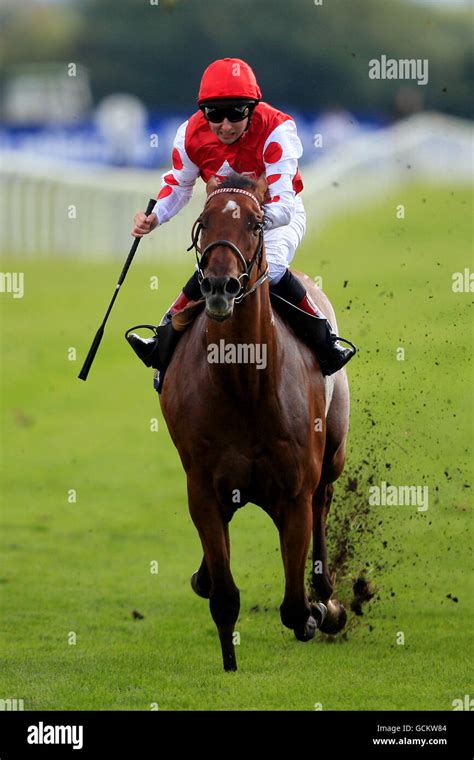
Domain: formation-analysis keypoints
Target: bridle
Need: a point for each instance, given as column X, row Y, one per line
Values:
column 247, row 265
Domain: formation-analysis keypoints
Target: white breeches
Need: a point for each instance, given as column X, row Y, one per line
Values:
column 282, row 242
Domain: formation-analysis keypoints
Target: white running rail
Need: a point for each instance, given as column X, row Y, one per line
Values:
column 69, row 209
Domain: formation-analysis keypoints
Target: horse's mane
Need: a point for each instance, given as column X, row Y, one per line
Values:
column 239, row 181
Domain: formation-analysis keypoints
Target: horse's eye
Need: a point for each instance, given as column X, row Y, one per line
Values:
column 255, row 225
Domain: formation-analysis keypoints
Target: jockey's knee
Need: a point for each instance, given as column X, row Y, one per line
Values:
column 275, row 272
column 280, row 251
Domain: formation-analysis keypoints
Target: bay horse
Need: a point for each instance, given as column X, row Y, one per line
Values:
column 246, row 433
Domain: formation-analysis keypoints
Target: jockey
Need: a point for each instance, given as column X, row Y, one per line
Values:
column 234, row 131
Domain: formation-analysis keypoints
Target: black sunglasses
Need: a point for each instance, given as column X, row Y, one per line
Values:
column 217, row 114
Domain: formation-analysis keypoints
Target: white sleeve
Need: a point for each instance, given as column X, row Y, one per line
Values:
column 281, row 152
column 177, row 185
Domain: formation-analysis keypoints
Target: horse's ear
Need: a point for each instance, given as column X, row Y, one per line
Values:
column 261, row 187
column 212, row 185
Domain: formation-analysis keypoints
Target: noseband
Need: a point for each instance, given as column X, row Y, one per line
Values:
column 247, row 265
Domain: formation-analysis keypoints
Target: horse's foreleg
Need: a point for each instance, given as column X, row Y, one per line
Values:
column 294, row 525
column 337, row 425
column 321, row 579
column 320, row 576
column 201, row 579
column 224, row 597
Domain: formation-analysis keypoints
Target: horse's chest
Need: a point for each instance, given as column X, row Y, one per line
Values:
column 260, row 475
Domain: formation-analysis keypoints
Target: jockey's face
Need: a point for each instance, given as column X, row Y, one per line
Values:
column 227, row 131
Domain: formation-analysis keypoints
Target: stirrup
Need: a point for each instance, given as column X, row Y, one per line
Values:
column 138, row 327
column 145, row 348
column 344, row 340
column 335, row 357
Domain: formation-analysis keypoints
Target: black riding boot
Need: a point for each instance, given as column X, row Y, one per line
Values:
column 312, row 325
column 156, row 352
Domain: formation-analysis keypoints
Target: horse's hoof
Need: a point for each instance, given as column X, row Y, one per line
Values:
column 306, row 633
column 335, row 619
column 199, row 590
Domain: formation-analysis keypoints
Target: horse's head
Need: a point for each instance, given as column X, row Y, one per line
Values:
column 232, row 253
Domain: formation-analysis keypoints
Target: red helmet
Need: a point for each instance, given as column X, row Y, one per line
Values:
column 228, row 78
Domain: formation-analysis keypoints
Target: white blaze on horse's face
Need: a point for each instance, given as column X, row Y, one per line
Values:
column 234, row 207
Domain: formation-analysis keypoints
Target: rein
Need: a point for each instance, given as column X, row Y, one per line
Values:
column 247, row 265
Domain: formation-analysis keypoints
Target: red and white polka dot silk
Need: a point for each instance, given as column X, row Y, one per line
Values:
column 271, row 145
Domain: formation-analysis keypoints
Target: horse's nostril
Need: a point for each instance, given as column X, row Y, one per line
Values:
column 206, row 287
column 224, row 286
column 232, row 287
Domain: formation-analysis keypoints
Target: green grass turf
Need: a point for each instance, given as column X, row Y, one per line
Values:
column 84, row 567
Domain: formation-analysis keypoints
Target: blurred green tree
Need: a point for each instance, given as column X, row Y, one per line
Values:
column 306, row 55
